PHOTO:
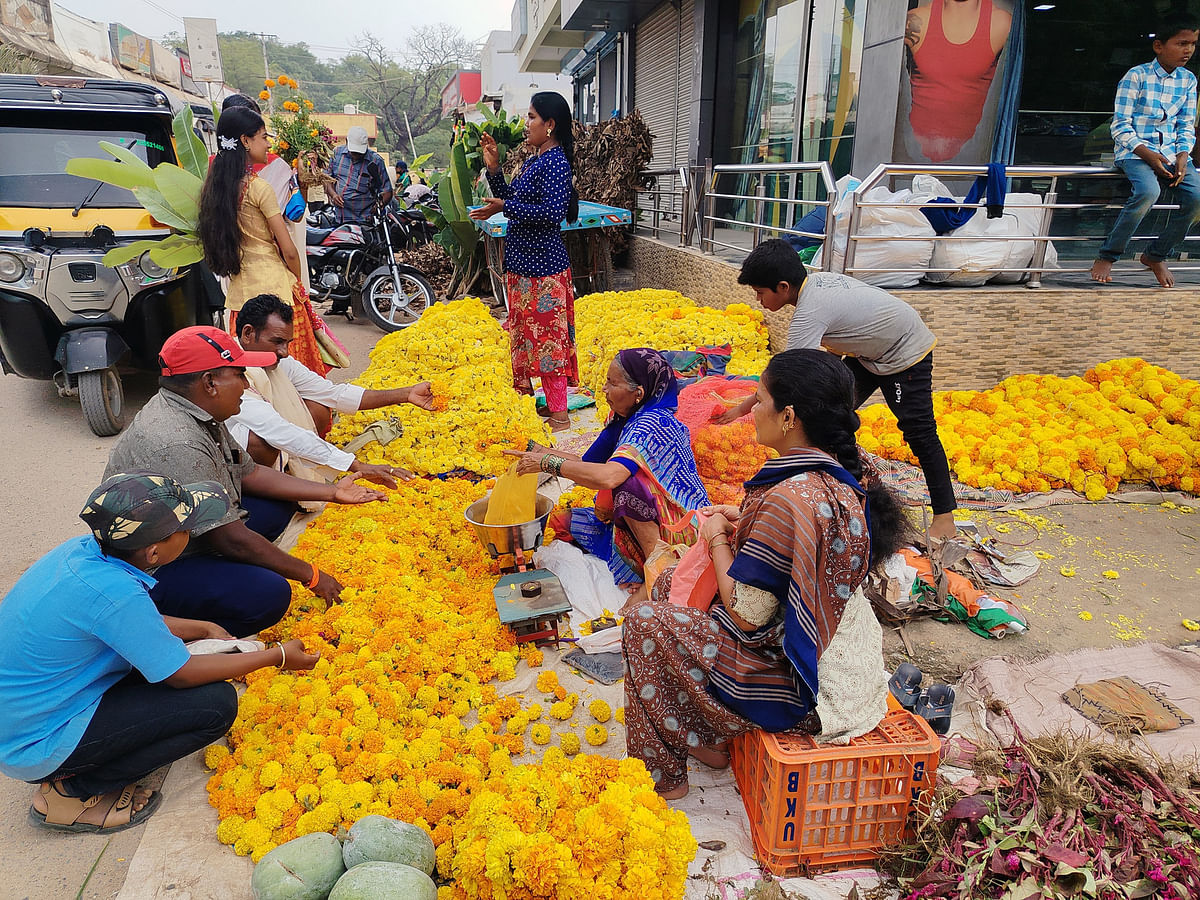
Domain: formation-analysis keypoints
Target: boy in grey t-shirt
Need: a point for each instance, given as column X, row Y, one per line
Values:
column 880, row 337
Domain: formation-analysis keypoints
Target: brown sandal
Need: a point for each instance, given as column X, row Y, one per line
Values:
column 103, row 813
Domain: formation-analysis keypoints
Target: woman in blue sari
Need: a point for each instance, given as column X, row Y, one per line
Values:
column 641, row 466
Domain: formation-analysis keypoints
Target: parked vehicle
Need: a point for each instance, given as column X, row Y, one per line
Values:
column 347, row 262
column 65, row 316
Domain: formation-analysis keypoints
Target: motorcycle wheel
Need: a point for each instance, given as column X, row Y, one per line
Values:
column 103, row 401
column 380, row 302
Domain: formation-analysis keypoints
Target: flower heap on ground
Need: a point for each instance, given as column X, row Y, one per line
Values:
column 464, row 352
column 1125, row 420
column 399, row 718
column 663, row 320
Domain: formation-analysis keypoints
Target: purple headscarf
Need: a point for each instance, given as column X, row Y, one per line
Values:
column 650, row 370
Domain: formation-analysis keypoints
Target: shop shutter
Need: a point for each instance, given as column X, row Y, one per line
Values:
column 662, row 80
column 683, row 98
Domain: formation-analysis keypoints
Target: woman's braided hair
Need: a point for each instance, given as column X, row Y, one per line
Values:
column 819, row 388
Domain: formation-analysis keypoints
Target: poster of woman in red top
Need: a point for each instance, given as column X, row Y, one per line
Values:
column 949, row 97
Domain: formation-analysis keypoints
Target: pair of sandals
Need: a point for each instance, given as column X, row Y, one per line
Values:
column 934, row 704
column 101, row 814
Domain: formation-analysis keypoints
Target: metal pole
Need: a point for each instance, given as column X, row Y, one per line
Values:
column 410, row 137
column 706, row 208
column 760, row 210
column 267, row 67
column 1042, row 242
column 851, row 234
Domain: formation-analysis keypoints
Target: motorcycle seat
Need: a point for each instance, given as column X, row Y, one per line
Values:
column 314, row 236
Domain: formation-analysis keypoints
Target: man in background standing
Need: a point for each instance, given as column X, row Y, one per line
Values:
column 361, row 179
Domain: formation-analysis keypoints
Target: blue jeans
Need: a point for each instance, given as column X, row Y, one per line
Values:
column 1145, row 189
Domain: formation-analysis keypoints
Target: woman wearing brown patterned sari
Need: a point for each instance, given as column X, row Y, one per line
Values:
column 790, row 642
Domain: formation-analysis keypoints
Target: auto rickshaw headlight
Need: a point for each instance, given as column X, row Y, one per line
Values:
column 150, row 268
column 12, row 267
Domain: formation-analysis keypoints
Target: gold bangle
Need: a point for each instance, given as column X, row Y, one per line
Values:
column 282, row 656
column 711, row 545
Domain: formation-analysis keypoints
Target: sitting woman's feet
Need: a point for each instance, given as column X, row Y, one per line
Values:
column 676, row 792
column 104, row 813
column 712, row 757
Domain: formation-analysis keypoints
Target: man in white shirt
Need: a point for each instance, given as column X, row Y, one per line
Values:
column 284, row 403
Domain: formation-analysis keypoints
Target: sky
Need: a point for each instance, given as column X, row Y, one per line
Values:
column 317, row 23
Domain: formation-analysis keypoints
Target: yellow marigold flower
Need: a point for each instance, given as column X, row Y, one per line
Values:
column 309, row 104
column 214, row 754
column 569, row 741
column 1068, row 571
column 600, row 710
column 1085, row 615
column 540, row 734
column 269, row 83
column 619, row 715
column 1111, row 574
column 562, row 710
column 1191, row 625
column 230, row 829
column 516, row 725
column 547, row 681
column 533, row 712
column 263, row 95
column 596, row 735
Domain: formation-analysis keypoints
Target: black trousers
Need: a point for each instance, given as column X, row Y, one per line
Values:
column 139, row 727
column 909, row 395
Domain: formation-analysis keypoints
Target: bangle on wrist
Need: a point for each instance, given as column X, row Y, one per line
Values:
column 282, row 655
column 316, row 576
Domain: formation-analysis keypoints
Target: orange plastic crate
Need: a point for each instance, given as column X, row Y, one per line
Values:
column 815, row 807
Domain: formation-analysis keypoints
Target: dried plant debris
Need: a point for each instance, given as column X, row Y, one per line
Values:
column 1063, row 817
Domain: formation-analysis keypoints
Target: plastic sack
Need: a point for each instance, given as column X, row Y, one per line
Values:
column 513, row 500
column 660, row 559
column 726, row 455
column 586, row 580
column 901, row 217
column 977, row 262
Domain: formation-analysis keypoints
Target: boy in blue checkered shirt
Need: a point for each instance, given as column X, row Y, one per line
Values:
column 1154, row 128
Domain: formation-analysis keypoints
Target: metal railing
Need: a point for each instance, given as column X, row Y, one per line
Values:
column 773, row 213
column 666, row 199
column 885, row 174
column 683, row 202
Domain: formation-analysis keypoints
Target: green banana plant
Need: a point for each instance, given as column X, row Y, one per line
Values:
column 170, row 193
column 458, row 191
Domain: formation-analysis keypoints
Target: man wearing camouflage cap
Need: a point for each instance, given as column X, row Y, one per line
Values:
column 78, row 720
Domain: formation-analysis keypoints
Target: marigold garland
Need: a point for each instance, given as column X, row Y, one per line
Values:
column 1124, row 420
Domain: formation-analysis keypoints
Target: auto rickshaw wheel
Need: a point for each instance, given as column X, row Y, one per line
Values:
column 103, row 401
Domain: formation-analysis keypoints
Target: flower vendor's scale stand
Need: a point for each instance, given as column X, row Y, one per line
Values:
column 589, row 227
column 529, row 601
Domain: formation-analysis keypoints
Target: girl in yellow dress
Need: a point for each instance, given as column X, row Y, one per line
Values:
column 245, row 236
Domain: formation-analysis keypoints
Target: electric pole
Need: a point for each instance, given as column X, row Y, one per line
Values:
column 266, row 65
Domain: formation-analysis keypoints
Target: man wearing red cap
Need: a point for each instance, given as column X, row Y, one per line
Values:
column 232, row 574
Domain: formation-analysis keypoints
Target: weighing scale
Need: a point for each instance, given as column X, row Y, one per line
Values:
column 529, row 601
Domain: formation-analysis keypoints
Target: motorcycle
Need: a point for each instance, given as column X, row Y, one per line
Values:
column 345, row 261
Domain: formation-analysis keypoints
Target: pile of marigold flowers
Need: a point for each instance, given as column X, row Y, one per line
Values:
column 664, row 320
column 400, row 718
column 1123, row 421
column 463, row 352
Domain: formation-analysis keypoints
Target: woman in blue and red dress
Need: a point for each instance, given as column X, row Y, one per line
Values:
column 541, row 301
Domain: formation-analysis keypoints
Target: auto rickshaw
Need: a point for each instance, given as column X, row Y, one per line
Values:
column 65, row 316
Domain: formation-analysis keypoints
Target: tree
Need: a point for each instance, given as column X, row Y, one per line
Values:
column 412, row 81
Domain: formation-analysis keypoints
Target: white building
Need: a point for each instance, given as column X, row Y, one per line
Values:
column 501, row 79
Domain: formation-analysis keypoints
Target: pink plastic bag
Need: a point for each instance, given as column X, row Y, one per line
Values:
column 695, row 580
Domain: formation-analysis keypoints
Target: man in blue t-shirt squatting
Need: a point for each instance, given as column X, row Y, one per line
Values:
column 98, row 688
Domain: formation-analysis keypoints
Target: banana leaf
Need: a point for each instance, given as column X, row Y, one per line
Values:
column 460, row 178
column 155, row 204
column 121, row 255
column 193, row 155
column 451, row 208
column 177, row 251
column 111, row 172
column 181, row 190
column 125, row 155
column 488, row 112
